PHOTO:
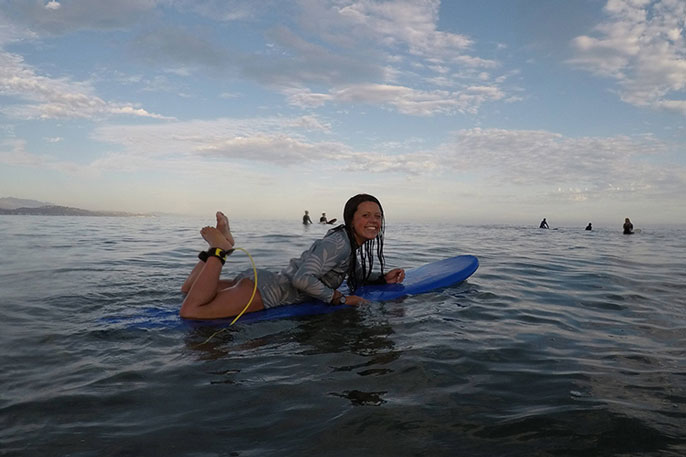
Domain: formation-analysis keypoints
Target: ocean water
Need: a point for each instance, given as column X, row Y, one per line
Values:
column 563, row 343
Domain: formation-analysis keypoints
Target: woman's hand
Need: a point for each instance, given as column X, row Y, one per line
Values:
column 395, row 276
column 354, row 300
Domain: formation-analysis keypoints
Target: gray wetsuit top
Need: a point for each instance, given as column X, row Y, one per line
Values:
column 317, row 273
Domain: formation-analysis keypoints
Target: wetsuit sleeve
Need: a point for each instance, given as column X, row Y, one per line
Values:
column 376, row 278
column 327, row 259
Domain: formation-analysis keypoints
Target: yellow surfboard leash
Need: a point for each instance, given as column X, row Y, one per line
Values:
column 252, row 297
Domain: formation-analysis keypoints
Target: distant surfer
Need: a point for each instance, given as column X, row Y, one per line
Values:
column 306, row 218
column 589, row 227
column 544, row 224
column 628, row 227
column 346, row 252
column 323, row 220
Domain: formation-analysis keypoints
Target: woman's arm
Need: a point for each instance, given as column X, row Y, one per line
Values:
column 395, row 276
column 327, row 258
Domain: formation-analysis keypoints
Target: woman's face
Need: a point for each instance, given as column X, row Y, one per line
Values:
column 366, row 222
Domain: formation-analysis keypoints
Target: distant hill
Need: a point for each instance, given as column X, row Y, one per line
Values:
column 55, row 210
column 14, row 203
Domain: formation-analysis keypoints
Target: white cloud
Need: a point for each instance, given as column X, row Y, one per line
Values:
column 312, row 122
column 278, row 138
column 672, row 105
column 642, row 45
column 56, row 18
column 225, row 10
column 340, row 49
column 410, row 164
column 577, row 168
column 404, row 99
column 280, row 150
column 389, row 54
column 13, row 152
column 497, row 164
column 410, row 23
column 12, row 32
column 50, row 98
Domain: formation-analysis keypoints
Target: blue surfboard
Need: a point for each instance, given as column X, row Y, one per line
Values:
column 432, row 276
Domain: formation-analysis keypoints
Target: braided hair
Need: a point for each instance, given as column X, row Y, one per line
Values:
column 366, row 255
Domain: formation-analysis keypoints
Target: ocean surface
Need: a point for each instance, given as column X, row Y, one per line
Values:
column 563, row 343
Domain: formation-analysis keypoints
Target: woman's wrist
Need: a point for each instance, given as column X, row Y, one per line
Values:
column 338, row 298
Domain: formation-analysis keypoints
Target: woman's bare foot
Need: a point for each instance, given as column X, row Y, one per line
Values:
column 215, row 238
column 223, row 227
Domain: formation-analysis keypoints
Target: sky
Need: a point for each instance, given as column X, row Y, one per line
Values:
column 491, row 111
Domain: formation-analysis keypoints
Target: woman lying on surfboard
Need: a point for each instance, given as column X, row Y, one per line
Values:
column 345, row 251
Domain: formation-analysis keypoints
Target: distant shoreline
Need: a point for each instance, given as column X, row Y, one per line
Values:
column 55, row 210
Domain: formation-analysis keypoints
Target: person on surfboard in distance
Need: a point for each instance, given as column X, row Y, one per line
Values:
column 306, row 218
column 628, row 227
column 589, row 226
column 544, row 224
column 346, row 251
column 323, row 220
